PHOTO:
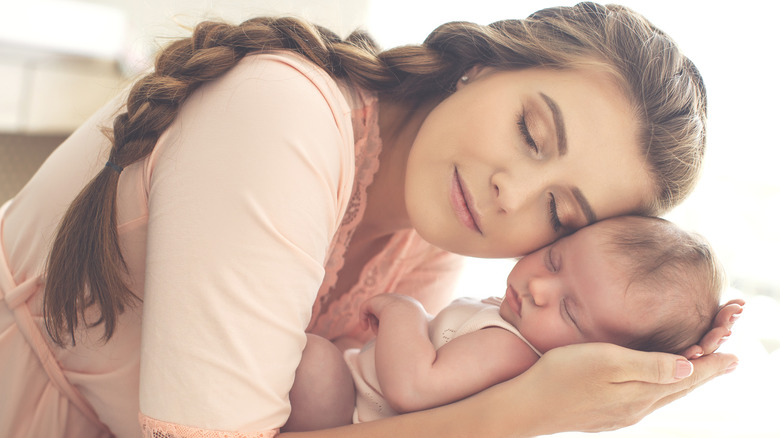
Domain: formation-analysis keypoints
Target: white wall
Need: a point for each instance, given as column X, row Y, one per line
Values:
column 152, row 22
column 62, row 59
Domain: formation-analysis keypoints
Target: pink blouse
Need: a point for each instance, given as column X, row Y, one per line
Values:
column 234, row 230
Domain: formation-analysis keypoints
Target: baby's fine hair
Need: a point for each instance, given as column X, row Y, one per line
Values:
column 86, row 267
column 678, row 273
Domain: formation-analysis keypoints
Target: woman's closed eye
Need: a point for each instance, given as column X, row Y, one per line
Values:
column 529, row 140
column 555, row 220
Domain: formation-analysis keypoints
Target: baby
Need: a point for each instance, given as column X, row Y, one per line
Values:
column 638, row 282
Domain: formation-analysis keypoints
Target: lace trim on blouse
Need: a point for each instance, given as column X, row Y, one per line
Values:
column 152, row 428
column 368, row 145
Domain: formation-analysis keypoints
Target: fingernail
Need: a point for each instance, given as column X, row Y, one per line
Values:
column 723, row 339
column 697, row 355
column 732, row 367
column 734, row 317
column 683, row 369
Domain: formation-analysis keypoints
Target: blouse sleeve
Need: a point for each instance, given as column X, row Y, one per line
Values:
column 246, row 191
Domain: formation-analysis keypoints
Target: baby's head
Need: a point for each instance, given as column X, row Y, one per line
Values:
column 634, row 281
column 677, row 274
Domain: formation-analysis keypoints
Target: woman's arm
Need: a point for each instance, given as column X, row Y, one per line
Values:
column 245, row 194
column 414, row 375
column 611, row 387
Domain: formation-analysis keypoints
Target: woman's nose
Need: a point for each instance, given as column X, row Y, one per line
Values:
column 510, row 193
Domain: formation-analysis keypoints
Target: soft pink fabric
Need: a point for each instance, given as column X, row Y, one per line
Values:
column 231, row 230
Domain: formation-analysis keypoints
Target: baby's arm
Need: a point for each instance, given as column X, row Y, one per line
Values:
column 413, row 375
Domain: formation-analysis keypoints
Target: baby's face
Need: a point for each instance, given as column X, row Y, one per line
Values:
column 571, row 292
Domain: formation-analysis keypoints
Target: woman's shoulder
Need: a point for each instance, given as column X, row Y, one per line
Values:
column 277, row 96
column 354, row 98
column 292, row 66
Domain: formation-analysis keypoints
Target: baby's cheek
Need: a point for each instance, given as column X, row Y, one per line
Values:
column 553, row 336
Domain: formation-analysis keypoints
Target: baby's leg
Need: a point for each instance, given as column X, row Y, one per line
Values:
column 323, row 394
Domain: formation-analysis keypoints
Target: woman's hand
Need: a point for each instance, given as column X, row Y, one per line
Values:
column 719, row 331
column 596, row 387
column 583, row 387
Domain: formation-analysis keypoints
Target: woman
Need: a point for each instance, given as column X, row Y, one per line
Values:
column 268, row 177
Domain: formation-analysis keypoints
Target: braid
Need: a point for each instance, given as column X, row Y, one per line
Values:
column 86, row 266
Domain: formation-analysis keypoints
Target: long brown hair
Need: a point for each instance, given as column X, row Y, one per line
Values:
column 86, row 267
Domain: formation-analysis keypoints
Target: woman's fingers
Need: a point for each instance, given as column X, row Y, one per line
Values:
column 675, row 372
column 714, row 338
column 706, row 368
column 653, row 380
column 637, row 366
column 719, row 331
column 617, row 364
column 693, row 352
column 721, row 326
column 599, row 386
column 728, row 313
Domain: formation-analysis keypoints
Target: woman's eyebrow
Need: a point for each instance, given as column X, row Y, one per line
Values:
column 563, row 147
column 560, row 128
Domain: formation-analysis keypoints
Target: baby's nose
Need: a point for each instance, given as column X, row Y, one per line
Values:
column 543, row 290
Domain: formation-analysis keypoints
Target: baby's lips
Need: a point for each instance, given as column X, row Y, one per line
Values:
column 514, row 299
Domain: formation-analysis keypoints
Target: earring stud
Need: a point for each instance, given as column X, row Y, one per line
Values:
column 464, row 78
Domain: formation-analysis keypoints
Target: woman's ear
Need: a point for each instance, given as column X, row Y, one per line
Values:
column 472, row 74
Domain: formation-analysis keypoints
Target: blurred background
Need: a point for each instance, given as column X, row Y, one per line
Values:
column 62, row 59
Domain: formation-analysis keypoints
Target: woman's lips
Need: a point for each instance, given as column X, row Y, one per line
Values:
column 462, row 203
column 513, row 300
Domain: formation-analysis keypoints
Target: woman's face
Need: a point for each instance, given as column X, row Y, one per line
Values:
column 515, row 159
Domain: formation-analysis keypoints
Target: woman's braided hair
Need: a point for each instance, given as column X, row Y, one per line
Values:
column 86, row 266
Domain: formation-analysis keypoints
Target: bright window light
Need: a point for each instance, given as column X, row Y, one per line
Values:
column 63, row 26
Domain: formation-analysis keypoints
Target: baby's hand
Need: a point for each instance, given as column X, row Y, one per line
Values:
column 373, row 309
column 720, row 330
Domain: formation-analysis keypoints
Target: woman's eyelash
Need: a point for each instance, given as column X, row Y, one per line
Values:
column 555, row 221
column 527, row 134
